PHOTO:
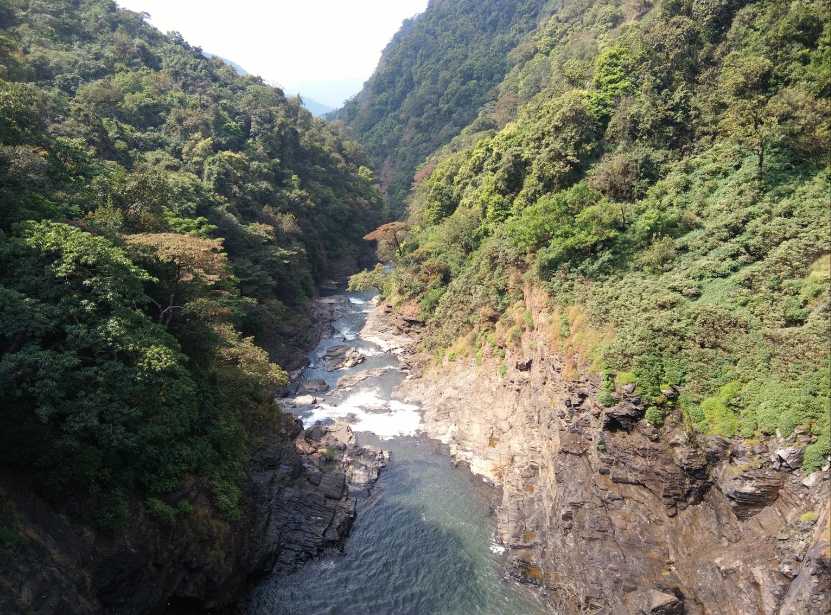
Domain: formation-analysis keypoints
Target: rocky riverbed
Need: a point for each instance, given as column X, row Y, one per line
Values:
column 423, row 543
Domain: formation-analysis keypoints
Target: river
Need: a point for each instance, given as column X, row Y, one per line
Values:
column 422, row 543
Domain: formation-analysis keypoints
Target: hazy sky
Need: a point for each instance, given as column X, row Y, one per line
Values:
column 324, row 49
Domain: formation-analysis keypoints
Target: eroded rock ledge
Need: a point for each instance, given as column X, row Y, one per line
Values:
column 610, row 515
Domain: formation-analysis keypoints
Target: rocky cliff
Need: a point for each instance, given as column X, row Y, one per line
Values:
column 610, row 515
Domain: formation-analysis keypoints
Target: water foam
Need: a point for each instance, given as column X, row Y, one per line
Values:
column 368, row 411
column 496, row 548
column 347, row 333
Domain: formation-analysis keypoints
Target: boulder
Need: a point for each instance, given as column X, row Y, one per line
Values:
column 524, row 366
column 622, row 416
column 311, row 387
column 716, row 448
column 751, row 490
column 661, row 603
column 350, row 380
column 790, row 457
column 342, row 357
column 670, row 392
column 812, row 480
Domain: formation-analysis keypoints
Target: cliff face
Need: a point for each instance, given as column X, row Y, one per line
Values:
column 611, row 515
column 299, row 501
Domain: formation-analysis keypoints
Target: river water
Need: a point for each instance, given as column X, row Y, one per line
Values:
column 422, row 543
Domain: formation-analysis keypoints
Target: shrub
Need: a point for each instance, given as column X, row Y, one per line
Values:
column 658, row 255
column 816, row 454
column 430, row 301
column 227, row 497
column 808, row 517
column 719, row 412
column 161, row 510
column 9, row 537
column 655, row 416
column 624, row 378
column 366, row 280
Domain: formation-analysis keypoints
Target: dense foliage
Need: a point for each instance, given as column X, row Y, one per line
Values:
column 162, row 222
column 433, row 77
column 666, row 178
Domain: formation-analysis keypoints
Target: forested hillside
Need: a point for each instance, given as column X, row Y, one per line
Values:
column 433, row 77
column 661, row 169
column 164, row 223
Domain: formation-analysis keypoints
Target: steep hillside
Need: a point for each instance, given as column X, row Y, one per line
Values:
column 676, row 194
column 164, row 224
column 433, row 78
column 660, row 171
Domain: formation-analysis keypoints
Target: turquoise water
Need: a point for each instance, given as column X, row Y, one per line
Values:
column 422, row 543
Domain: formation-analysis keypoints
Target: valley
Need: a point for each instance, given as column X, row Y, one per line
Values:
column 537, row 322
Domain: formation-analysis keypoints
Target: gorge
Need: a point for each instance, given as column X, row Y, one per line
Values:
column 538, row 322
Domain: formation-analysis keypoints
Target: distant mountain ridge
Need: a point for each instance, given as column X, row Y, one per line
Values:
column 318, row 109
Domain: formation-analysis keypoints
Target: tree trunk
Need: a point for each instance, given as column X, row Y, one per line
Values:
column 761, row 170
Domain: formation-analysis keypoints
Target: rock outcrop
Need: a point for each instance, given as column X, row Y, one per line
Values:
column 342, row 357
column 608, row 514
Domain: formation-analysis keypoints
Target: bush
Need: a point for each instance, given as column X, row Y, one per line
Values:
column 366, row 280
column 160, row 510
column 655, row 416
column 9, row 537
column 624, row 378
column 227, row 497
column 720, row 411
column 808, row 517
column 816, row 454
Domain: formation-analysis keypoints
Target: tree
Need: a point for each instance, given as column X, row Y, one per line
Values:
column 746, row 80
column 388, row 237
column 185, row 261
column 95, row 395
column 759, row 116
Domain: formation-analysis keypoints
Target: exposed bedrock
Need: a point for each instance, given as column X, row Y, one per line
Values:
column 611, row 515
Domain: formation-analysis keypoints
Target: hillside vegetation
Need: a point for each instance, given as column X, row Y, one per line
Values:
column 433, row 77
column 164, row 223
column 665, row 177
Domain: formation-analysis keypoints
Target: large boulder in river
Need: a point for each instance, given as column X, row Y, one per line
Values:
column 342, row 357
column 312, row 387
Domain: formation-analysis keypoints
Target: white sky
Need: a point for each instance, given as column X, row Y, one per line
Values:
column 324, row 49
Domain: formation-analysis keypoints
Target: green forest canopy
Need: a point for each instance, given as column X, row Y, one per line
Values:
column 163, row 225
column 433, row 77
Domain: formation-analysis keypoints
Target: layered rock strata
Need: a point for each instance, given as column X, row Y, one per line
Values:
column 609, row 514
